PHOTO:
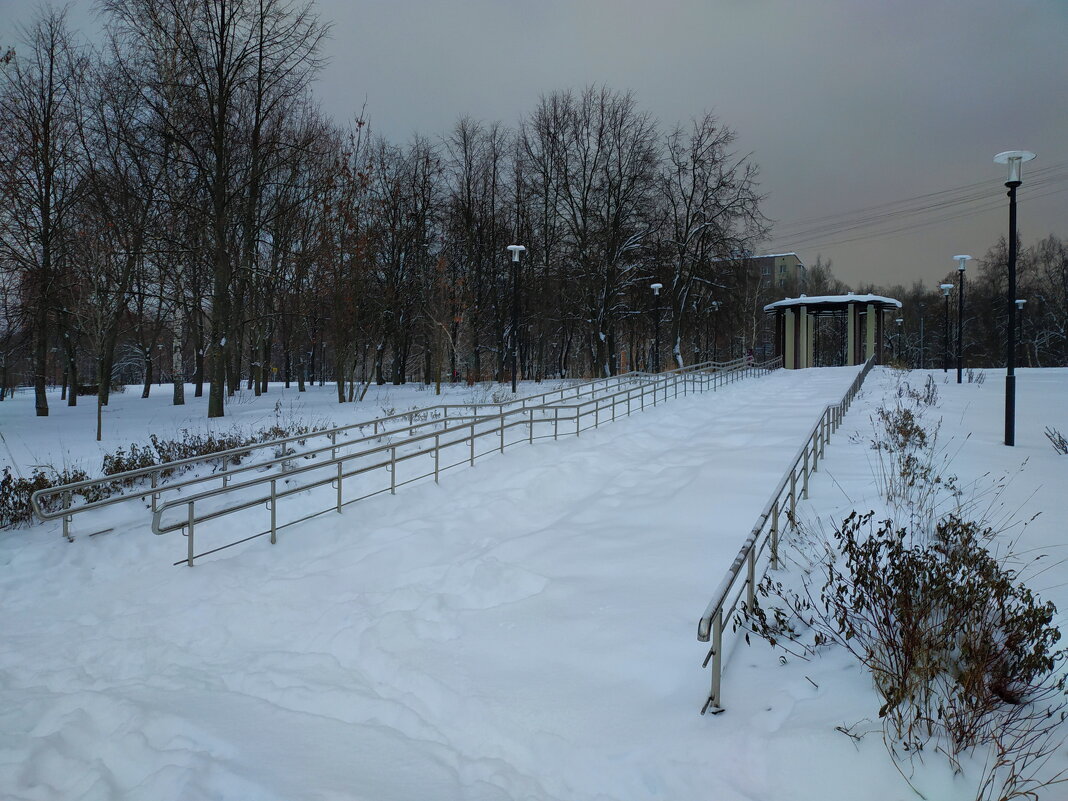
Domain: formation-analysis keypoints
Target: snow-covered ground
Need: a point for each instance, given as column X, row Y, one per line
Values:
column 67, row 438
column 524, row 630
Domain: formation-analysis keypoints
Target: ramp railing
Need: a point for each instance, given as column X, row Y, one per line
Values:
column 743, row 575
column 66, row 501
column 384, row 466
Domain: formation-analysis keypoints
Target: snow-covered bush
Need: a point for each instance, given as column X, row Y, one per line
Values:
column 15, row 491
column 962, row 654
column 912, row 468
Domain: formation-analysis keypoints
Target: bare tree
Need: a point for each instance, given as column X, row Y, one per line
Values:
column 215, row 75
column 711, row 211
column 40, row 102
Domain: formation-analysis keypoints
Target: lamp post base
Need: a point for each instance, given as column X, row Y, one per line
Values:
column 1010, row 410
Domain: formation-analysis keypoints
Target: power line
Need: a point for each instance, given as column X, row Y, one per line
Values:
column 919, row 211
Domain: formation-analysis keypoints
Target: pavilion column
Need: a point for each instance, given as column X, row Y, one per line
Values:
column 869, row 330
column 780, row 332
column 791, row 335
column 879, row 336
column 851, row 334
column 810, row 340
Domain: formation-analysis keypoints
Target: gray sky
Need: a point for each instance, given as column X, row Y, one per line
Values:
column 845, row 104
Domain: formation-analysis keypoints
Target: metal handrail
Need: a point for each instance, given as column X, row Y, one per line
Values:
column 155, row 473
column 765, row 534
column 431, row 444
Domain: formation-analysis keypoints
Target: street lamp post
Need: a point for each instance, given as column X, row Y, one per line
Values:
column 715, row 320
column 897, row 343
column 1020, row 308
column 1014, row 159
column 961, row 262
column 656, row 325
column 923, row 345
column 945, row 327
column 515, row 250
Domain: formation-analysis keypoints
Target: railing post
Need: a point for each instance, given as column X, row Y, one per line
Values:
column 274, row 519
column 793, row 495
column 333, row 445
column 437, row 455
column 556, row 422
column 596, row 414
column 815, row 441
column 190, row 517
column 155, row 495
column 717, row 662
column 472, row 443
column 502, row 431
column 775, row 536
column 804, row 489
column 67, row 500
column 226, row 477
column 750, row 591
column 392, row 473
column 339, row 479
column 530, row 416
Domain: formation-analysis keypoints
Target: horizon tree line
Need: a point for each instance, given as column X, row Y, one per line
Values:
column 175, row 201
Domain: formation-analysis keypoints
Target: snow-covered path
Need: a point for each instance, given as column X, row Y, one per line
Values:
column 526, row 629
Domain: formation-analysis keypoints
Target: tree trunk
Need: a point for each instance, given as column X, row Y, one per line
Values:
column 148, row 373
column 198, row 371
column 40, row 360
column 339, row 373
column 380, row 373
column 72, row 370
column 177, row 366
column 265, row 364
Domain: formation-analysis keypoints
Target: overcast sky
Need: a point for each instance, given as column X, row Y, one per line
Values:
column 845, row 104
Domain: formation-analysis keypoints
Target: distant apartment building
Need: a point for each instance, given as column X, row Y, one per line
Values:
column 781, row 271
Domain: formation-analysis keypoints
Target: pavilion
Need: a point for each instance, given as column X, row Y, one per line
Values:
column 795, row 326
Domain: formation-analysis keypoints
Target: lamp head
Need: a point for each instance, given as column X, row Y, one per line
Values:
column 1015, row 160
column 656, row 288
column 899, row 320
column 1020, row 303
column 516, row 250
column 962, row 260
column 945, row 288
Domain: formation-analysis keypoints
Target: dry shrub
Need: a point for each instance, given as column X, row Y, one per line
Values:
column 1060, row 444
column 962, row 654
column 15, row 491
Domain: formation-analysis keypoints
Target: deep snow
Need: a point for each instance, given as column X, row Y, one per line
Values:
column 524, row 630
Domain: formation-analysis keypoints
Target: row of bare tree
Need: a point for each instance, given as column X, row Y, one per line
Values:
column 178, row 191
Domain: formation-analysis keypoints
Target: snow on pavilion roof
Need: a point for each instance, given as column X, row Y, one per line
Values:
column 835, row 300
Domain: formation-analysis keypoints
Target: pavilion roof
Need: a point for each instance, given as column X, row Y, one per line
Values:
column 830, row 303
